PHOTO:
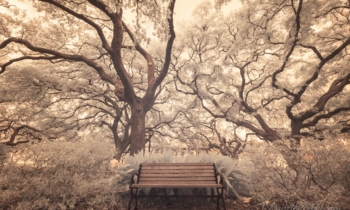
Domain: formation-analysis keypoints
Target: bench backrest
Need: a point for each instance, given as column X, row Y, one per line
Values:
column 178, row 174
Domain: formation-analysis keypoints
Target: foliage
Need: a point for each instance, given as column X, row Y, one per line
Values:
column 228, row 167
column 318, row 173
column 94, row 35
column 270, row 69
column 60, row 175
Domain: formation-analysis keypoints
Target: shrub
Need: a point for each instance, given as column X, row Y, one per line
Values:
column 60, row 175
column 317, row 173
column 234, row 178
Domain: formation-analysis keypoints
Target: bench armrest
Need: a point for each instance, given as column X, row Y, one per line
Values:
column 221, row 179
column 133, row 178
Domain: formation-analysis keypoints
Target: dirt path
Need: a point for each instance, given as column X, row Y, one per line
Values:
column 186, row 203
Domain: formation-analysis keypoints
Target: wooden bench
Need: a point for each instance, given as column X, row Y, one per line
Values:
column 177, row 175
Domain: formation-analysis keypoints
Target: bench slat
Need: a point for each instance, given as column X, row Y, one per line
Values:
column 177, row 164
column 178, row 181
column 176, row 178
column 178, row 167
column 197, row 183
column 176, row 171
column 177, row 185
column 176, row 175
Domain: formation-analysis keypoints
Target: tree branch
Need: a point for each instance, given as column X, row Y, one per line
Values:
column 104, row 76
column 3, row 67
column 169, row 47
column 105, row 44
column 317, row 118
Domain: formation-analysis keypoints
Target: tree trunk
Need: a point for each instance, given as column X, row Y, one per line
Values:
column 290, row 153
column 120, row 146
column 296, row 127
column 137, row 135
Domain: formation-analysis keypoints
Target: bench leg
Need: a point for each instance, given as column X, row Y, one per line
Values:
column 136, row 199
column 133, row 196
column 220, row 197
column 223, row 202
column 223, row 199
column 217, row 202
column 129, row 203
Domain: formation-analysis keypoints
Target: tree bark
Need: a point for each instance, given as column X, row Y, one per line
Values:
column 137, row 135
column 296, row 125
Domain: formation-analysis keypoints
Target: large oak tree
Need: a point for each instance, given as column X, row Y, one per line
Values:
column 95, row 33
column 273, row 70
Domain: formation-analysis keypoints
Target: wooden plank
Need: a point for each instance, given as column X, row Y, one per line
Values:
column 181, row 181
column 171, row 185
column 178, row 164
column 176, row 175
column 177, row 183
column 173, row 171
column 178, row 167
column 176, row 178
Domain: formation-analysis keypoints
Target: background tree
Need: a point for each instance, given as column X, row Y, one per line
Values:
column 95, row 34
column 55, row 107
column 251, row 71
column 263, row 66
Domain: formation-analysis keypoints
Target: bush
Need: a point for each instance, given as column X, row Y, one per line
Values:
column 60, row 175
column 234, row 178
column 316, row 174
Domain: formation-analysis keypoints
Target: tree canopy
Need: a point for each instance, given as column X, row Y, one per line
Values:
column 270, row 70
column 275, row 70
column 95, row 34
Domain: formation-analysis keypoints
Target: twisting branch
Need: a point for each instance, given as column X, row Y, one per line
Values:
column 144, row 53
column 289, row 53
column 320, row 65
column 105, row 44
column 168, row 50
column 16, row 130
column 327, row 115
column 313, row 49
column 55, row 55
column 50, row 58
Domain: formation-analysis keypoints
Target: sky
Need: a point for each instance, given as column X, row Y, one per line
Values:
column 183, row 8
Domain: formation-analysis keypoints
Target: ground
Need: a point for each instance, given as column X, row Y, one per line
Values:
column 186, row 203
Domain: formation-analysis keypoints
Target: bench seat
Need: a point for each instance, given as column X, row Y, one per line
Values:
column 177, row 175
